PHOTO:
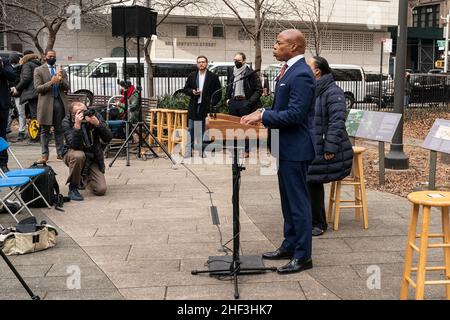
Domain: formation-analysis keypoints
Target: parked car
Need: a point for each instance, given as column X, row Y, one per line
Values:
column 373, row 88
column 74, row 67
column 435, row 71
column 4, row 54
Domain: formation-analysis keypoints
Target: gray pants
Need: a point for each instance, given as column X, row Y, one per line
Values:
column 58, row 116
column 22, row 117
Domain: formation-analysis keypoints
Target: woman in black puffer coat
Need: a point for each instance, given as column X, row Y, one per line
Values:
column 334, row 153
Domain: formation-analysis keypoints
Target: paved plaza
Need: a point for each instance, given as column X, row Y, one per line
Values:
column 153, row 227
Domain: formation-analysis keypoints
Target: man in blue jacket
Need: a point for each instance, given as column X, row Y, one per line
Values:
column 6, row 74
column 292, row 118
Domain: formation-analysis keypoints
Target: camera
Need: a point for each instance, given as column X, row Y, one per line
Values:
column 89, row 113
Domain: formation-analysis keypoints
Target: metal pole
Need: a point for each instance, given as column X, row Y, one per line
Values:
column 397, row 159
column 432, row 177
column 380, row 85
column 382, row 173
column 447, row 28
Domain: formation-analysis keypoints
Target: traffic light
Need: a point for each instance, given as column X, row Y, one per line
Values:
column 439, row 64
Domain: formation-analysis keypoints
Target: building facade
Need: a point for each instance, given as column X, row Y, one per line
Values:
column 355, row 30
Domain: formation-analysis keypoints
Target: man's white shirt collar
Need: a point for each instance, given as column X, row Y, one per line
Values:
column 294, row 60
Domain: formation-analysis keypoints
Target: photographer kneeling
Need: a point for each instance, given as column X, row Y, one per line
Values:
column 83, row 154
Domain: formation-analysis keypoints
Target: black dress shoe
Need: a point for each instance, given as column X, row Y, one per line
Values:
column 317, row 232
column 296, row 265
column 278, row 255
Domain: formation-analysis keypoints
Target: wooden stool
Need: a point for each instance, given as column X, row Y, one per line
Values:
column 153, row 124
column 358, row 182
column 426, row 199
column 180, row 124
column 162, row 126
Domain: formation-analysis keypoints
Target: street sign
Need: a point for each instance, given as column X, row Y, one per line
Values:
column 441, row 45
column 387, row 45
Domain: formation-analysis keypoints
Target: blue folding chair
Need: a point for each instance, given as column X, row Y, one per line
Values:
column 14, row 184
column 32, row 174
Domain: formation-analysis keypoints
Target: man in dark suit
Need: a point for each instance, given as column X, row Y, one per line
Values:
column 201, row 86
column 6, row 74
column 291, row 117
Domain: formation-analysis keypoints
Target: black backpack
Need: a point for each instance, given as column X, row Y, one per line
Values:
column 47, row 185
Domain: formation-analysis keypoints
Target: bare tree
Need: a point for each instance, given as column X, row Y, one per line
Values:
column 165, row 8
column 29, row 20
column 266, row 12
column 310, row 15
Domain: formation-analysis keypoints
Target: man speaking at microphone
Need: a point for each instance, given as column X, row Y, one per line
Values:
column 203, row 87
column 292, row 114
column 243, row 97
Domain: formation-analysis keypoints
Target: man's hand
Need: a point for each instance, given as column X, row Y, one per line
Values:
column 93, row 120
column 253, row 118
column 55, row 79
column 196, row 92
column 329, row 156
column 78, row 119
column 14, row 92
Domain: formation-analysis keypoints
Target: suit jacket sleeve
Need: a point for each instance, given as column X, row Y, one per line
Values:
column 216, row 86
column 256, row 88
column 189, row 86
column 301, row 97
column 41, row 86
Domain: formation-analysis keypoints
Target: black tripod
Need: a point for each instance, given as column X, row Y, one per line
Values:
column 18, row 276
column 235, row 265
column 140, row 126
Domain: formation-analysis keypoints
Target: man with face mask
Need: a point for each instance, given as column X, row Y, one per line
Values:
column 51, row 83
column 244, row 96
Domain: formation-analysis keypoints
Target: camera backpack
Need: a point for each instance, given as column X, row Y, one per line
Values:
column 47, row 185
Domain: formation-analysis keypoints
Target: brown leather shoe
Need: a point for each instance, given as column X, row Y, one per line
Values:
column 42, row 160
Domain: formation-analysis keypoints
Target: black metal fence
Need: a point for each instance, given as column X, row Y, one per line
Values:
column 368, row 91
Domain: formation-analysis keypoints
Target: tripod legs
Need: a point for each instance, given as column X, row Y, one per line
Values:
column 142, row 125
column 19, row 277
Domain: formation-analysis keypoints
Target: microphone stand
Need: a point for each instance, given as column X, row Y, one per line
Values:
column 235, row 265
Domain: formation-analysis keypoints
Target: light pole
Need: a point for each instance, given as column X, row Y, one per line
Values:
column 397, row 159
column 447, row 35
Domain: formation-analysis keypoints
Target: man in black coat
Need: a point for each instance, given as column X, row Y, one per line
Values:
column 6, row 75
column 203, row 87
column 243, row 97
column 82, row 152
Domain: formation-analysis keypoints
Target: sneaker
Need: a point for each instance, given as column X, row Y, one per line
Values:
column 75, row 195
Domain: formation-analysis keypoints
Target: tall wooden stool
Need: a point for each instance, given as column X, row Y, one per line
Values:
column 153, row 124
column 358, row 182
column 163, row 119
column 180, row 126
column 426, row 199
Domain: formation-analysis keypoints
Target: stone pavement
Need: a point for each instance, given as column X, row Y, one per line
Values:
column 153, row 227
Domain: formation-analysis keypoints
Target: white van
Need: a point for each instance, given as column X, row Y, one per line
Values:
column 100, row 76
column 350, row 78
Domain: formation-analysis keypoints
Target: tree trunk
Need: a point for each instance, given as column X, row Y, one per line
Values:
column 257, row 37
column 51, row 40
column 148, row 60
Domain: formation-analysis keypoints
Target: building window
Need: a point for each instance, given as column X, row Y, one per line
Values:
column 191, row 31
column 426, row 16
column 218, row 32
